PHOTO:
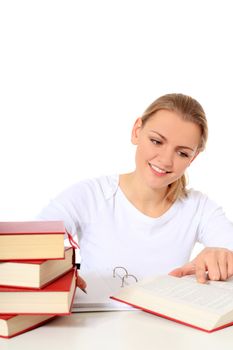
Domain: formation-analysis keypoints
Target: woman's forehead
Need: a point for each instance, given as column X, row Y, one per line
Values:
column 171, row 125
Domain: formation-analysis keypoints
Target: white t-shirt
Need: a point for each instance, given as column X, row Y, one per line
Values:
column 112, row 232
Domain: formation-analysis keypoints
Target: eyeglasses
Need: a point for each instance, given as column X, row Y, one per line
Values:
column 125, row 275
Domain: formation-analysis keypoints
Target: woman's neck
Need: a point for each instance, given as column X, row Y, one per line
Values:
column 151, row 202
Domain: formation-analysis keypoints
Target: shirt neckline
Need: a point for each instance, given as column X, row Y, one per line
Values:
column 137, row 213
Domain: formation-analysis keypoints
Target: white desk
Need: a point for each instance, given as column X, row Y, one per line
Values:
column 119, row 330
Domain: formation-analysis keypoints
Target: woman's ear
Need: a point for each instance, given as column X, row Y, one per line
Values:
column 136, row 130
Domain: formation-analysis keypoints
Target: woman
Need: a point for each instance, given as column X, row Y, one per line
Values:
column 147, row 221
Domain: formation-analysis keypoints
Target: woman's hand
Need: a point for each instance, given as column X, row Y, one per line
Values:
column 215, row 264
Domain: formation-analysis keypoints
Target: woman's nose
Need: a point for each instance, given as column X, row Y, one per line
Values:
column 166, row 157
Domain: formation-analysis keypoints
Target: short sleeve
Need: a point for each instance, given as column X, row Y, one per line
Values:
column 215, row 229
column 70, row 207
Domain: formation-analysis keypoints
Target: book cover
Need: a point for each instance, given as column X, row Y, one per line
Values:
column 31, row 227
column 13, row 325
column 32, row 240
column 55, row 298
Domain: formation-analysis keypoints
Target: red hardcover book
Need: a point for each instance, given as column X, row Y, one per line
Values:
column 207, row 307
column 29, row 240
column 34, row 273
column 55, row 298
column 12, row 325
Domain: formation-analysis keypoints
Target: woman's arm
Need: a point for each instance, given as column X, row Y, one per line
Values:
column 215, row 232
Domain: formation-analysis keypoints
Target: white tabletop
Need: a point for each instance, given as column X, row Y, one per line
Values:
column 117, row 330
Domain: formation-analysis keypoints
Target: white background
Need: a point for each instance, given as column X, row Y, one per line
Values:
column 74, row 75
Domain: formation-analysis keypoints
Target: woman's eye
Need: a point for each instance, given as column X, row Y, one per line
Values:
column 156, row 142
column 183, row 154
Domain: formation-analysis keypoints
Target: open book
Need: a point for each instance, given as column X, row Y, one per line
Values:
column 208, row 307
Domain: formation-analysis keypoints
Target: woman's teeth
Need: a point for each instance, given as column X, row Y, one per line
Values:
column 161, row 171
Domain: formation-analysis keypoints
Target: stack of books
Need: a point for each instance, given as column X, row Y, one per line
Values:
column 37, row 275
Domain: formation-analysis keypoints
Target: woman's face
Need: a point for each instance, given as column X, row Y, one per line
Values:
column 166, row 145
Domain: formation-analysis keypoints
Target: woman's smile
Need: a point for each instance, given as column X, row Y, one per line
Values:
column 157, row 170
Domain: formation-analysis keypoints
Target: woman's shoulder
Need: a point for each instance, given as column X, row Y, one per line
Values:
column 104, row 186
column 200, row 199
column 193, row 194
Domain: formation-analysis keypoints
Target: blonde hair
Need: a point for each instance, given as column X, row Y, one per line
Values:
column 190, row 110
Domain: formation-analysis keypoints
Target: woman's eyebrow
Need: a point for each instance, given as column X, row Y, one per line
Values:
column 156, row 132
column 164, row 138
